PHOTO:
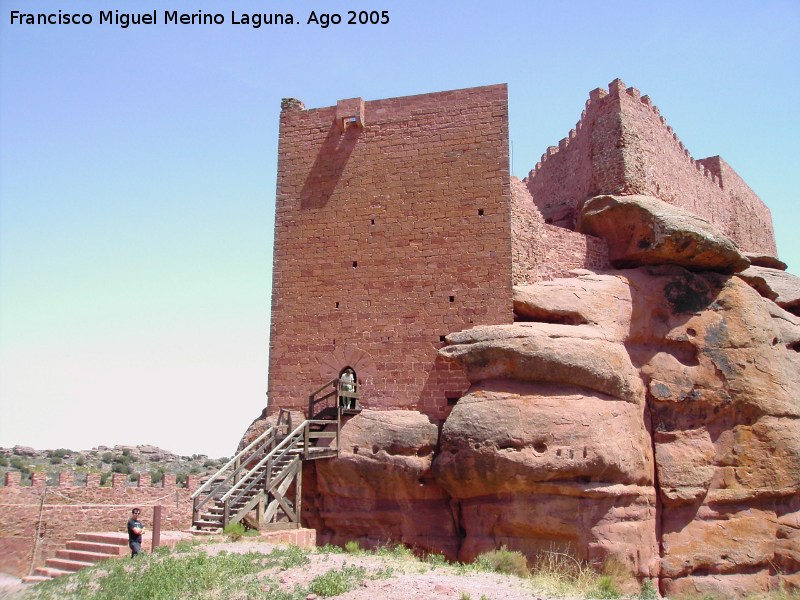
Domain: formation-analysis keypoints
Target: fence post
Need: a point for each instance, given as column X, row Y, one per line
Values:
column 156, row 527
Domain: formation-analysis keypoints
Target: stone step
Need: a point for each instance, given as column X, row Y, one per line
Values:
column 99, row 547
column 67, row 565
column 116, row 539
column 83, row 556
column 36, row 578
column 51, row 572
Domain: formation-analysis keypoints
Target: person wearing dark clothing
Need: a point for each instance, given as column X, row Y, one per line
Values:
column 135, row 530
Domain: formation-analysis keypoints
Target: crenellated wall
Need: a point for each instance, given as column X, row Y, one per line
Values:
column 623, row 145
column 541, row 251
column 37, row 520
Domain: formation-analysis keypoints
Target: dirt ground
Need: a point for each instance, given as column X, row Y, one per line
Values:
column 409, row 579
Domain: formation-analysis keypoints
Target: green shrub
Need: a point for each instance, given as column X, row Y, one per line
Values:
column 504, row 560
column 104, row 477
column 352, row 547
column 80, row 461
column 61, row 452
column 435, row 559
column 121, row 468
column 56, row 460
column 107, row 457
column 336, row 582
column 290, row 557
column 3, row 461
column 606, row 588
column 18, row 464
column 395, row 550
column 234, row 531
column 648, row 591
column 157, row 475
column 134, row 477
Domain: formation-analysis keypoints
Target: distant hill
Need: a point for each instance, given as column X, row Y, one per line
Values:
column 136, row 461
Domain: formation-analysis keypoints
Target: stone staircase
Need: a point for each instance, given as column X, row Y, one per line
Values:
column 85, row 550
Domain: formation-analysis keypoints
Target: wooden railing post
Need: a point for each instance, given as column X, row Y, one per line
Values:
column 298, row 494
column 338, row 429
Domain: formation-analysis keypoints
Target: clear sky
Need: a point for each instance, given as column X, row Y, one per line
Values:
column 137, row 172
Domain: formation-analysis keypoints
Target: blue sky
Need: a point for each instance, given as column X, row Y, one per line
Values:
column 137, row 173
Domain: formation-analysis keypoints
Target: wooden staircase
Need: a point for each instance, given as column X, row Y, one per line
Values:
column 261, row 478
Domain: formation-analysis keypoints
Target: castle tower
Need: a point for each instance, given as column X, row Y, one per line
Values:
column 392, row 229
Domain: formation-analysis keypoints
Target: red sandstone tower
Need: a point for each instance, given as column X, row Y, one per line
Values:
column 397, row 223
column 392, row 229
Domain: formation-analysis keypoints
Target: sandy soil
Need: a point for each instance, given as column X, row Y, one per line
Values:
column 409, row 579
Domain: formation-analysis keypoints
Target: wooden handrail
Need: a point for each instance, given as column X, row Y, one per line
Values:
column 286, row 441
column 230, row 463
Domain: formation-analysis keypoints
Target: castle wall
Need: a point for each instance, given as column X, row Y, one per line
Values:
column 54, row 514
column 388, row 236
column 630, row 149
column 541, row 251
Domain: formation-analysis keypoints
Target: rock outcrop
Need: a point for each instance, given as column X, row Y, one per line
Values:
column 642, row 230
column 781, row 287
column 649, row 416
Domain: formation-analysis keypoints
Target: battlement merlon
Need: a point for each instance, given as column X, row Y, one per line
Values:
column 623, row 145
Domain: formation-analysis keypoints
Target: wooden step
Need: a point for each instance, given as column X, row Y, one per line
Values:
column 67, row 565
column 208, row 524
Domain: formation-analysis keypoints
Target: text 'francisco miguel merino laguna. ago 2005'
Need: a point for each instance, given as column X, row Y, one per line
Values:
column 199, row 17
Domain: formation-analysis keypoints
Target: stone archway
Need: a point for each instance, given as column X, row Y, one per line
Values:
column 332, row 364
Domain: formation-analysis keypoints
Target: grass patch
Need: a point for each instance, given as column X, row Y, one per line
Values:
column 435, row 560
column 398, row 551
column 353, row 547
column 337, row 581
column 510, row 562
column 173, row 576
column 236, row 531
column 157, row 577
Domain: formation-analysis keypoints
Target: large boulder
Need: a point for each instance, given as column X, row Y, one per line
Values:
column 380, row 487
column 564, row 354
column 642, row 230
column 781, row 287
column 717, row 367
column 600, row 300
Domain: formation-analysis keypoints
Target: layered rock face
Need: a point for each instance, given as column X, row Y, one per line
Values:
column 649, row 415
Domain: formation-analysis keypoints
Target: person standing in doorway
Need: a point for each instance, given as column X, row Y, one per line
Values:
column 135, row 530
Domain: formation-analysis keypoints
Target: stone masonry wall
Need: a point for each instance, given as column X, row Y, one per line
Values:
column 541, row 251
column 630, row 149
column 37, row 520
column 392, row 230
